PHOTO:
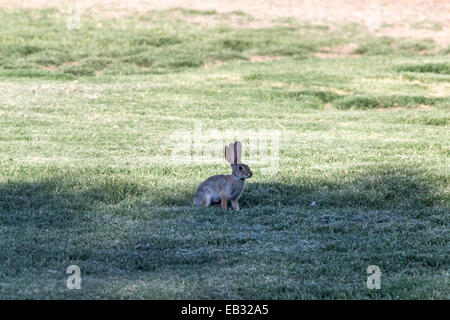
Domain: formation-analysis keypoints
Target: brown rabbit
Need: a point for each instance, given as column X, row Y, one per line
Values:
column 221, row 188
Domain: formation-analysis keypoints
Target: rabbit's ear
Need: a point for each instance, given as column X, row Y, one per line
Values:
column 237, row 152
column 229, row 153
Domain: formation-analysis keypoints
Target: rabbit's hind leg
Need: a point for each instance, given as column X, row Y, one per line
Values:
column 202, row 200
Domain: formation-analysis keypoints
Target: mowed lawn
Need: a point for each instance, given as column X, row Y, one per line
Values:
column 86, row 178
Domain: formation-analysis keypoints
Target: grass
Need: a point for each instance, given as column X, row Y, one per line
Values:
column 86, row 121
column 440, row 68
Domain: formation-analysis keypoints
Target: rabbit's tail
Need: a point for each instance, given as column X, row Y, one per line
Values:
column 196, row 201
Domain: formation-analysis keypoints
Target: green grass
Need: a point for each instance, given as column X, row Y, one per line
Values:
column 86, row 118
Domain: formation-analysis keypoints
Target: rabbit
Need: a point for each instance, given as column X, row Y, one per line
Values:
column 221, row 188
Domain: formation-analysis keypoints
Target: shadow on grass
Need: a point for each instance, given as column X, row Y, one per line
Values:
column 385, row 188
column 110, row 229
column 63, row 197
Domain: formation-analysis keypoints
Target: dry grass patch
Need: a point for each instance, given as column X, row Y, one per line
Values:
column 213, row 64
column 374, row 14
column 342, row 51
column 328, row 106
column 67, row 64
column 425, row 107
column 263, row 58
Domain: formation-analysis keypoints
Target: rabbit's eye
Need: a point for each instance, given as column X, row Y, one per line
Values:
column 240, row 168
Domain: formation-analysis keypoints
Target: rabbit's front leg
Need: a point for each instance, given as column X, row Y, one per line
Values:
column 224, row 201
column 235, row 204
